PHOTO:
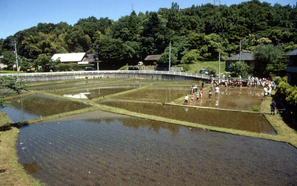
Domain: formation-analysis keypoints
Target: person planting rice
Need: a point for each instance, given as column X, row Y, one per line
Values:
column 209, row 95
column 186, row 99
column 217, row 91
column 192, row 98
column 265, row 92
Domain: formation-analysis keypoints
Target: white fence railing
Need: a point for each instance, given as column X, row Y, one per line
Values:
column 201, row 76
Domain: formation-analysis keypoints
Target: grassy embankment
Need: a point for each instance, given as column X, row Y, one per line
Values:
column 196, row 67
column 284, row 132
column 11, row 172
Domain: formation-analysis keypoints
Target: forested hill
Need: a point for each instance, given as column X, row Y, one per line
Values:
column 196, row 33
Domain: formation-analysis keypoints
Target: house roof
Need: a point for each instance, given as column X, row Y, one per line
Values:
column 69, row 57
column 292, row 53
column 243, row 57
column 155, row 57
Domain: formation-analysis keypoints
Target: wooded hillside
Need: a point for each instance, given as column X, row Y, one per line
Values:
column 196, row 33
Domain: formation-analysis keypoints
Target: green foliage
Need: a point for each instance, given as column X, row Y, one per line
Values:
column 67, row 67
column 185, row 67
column 191, row 57
column 277, row 79
column 240, row 69
column 198, row 33
column 266, row 59
column 164, row 59
column 288, row 95
column 124, row 67
column 10, row 83
column 212, row 72
column 255, row 108
column 8, row 59
column 278, row 66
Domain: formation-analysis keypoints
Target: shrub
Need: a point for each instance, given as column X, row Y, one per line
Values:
column 212, row 72
column 186, row 67
column 124, row 67
column 277, row 79
column 255, row 108
column 240, row 69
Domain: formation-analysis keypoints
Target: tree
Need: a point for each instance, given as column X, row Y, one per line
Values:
column 8, row 58
column 278, row 66
column 45, row 60
column 240, row 69
column 264, row 55
column 110, row 50
column 10, row 83
column 164, row 59
column 191, row 57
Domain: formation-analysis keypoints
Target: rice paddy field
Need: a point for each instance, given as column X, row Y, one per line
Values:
column 104, row 148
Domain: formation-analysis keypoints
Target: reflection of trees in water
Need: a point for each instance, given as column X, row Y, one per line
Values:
column 151, row 124
column 228, row 119
column 31, row 168
column 45, row 106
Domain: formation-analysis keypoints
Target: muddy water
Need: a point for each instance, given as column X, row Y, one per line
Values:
column 228, row 119
column 231, row 98
column 131, row 151
column 64, row 85
column 155, row 94
column 100, row 91
column 35, row 106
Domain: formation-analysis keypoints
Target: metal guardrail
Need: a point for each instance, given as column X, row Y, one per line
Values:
column 201, row 76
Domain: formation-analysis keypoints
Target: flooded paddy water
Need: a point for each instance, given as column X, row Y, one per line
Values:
column 37, row 105
column 155, row 94
column 227, row 119
column 100, row 148
column 131, row 151
column 232, row 98
column 97, row 92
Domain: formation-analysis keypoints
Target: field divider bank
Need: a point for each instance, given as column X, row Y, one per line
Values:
column 121, row 93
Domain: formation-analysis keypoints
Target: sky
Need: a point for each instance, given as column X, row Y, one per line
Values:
column 17, row 15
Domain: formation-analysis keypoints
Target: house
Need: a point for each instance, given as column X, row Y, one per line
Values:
column 292, row 67
column 248, row 58
column 79, row 58
column 151, row 59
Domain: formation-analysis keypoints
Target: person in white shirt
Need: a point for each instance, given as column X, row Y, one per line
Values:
column 217, row 90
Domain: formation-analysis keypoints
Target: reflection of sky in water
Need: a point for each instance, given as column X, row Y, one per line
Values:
column 144, row 152
column 17, row 115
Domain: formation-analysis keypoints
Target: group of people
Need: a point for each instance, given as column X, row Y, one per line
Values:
column 199, row 93
column 256, row 82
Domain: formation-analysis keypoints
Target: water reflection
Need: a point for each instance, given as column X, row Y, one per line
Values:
column 131, row 151
column 90, row 93
column 36, row 106
column 31, row 168
column 232, row 98
column 228, row 119
column 155, row 94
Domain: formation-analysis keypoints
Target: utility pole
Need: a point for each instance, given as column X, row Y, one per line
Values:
column 219, row 66
column 240, row 52
column 97, row 59
column 169, row 56
column 16, row 55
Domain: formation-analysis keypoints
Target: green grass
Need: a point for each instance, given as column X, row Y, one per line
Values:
column 196, row 67
column 10, row 71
